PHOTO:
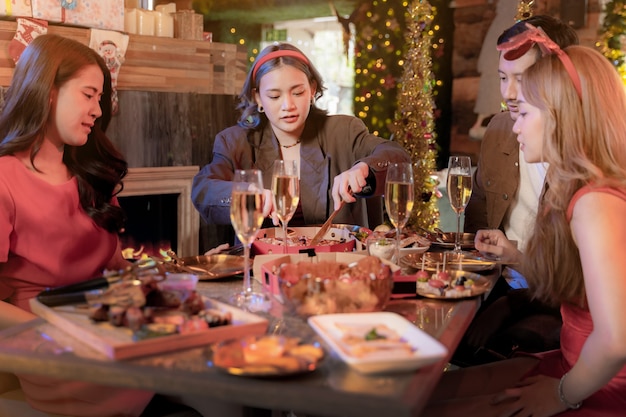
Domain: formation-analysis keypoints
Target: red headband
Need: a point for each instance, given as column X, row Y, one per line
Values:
column 518, row 45
column 277, row 54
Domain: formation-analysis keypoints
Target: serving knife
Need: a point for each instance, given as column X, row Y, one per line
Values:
column 124, row 294
column 138, row 269
column 320, row 233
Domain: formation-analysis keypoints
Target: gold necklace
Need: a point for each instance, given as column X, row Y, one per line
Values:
column 290, row 146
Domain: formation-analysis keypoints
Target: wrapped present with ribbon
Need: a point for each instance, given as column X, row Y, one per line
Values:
column 15, row 8
column 107, row 14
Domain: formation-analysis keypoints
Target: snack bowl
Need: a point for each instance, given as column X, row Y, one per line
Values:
column 324, row 287
column 381, row 247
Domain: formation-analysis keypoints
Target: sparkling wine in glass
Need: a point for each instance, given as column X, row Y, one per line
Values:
column 285, row 192
column 246, row 216
column 399, row 193
column 459, row 187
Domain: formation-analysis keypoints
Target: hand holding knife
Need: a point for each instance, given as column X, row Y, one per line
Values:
column 121, row 287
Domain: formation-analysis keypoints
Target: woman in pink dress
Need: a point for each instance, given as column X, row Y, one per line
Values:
column 59, row 175
column 59, row 219
column 572, row 110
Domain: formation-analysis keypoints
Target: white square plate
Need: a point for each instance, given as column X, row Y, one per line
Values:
column 425, row 349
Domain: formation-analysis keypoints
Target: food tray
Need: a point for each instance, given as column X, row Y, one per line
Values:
column 265, row 266
column 341, row 235
column 209, row 267
column 117, row 342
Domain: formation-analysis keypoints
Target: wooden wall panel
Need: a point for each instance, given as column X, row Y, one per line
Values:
column 157, row 64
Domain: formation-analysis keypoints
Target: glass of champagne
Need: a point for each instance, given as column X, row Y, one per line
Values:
column 246, row 216
column 399, row 197
column 285, row 192
column 459, row 185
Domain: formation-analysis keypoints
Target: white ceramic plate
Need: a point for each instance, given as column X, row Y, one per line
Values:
column 423, row 349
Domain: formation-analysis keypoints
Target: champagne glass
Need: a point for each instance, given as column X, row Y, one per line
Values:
column 399, row 197
column 285, row 192
column 459, row 187
column 246, row 216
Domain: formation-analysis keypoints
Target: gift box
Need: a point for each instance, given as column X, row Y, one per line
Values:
column 16, row 8
column 88, row 13
column 188, row 25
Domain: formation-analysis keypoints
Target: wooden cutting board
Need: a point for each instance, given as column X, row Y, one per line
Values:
column 117, row 342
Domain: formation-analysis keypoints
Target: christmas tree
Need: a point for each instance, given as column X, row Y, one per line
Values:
column 378, row 54
column 613, row 35
column 414, row 125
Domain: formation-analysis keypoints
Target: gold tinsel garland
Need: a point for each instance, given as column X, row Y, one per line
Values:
column 414, row 126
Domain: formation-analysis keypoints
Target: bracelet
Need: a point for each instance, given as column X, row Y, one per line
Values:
column 564, row 401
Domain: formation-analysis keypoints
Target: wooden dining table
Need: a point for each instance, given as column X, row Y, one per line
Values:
column 333, row 389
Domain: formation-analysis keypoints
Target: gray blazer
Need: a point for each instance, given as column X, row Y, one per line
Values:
column 330, row 146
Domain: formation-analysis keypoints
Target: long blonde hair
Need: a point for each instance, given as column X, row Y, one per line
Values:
column 584, row 143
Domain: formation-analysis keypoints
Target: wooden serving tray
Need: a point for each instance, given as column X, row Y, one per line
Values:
column 117, row 342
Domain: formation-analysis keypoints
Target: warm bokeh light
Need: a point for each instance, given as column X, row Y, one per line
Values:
column 613, row 35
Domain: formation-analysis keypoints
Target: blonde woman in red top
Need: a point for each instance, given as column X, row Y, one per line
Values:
column 572, row 116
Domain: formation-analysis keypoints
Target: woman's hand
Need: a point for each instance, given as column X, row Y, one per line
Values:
column 268, row 207
column 493, row 242
column 536, row 396
column 217, row 249
column 349, row 182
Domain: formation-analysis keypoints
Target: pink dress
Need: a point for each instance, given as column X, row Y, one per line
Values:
column 577, row 325
column 47, row 240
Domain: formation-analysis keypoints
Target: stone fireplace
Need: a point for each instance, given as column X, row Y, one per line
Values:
column 170, row 180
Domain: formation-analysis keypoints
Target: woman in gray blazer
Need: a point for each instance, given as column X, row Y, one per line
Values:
column 337, row 157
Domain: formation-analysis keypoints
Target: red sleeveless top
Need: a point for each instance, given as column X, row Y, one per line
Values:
column 577, row 325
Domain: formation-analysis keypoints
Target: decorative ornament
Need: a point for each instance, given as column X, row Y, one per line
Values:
column 111, row 46
column 524, row 9
column 27, row 30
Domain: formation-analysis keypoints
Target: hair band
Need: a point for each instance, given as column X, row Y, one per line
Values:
column 277, row 54
column 519, row 44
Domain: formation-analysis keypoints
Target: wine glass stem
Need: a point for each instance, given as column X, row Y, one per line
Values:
column 398, row 245
column 284, row 223
column 247, row 286
column 457, row 239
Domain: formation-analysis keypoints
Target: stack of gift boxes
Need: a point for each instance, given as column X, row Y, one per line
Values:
column 164, row 21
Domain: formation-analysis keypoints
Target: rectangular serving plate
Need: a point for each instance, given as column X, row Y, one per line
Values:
column 426, row 349
column 117, row 342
